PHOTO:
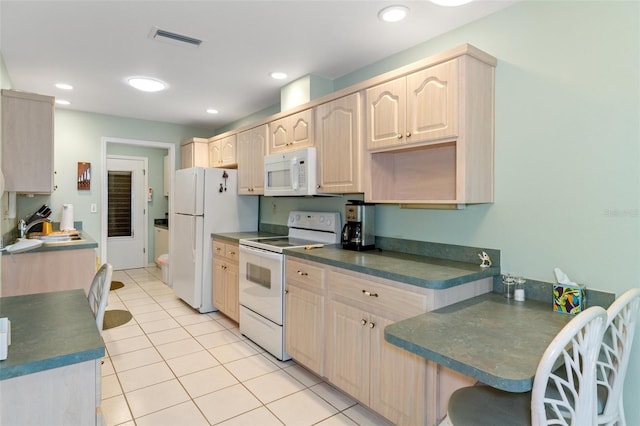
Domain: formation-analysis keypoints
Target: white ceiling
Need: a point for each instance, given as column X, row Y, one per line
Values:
column 95, row 45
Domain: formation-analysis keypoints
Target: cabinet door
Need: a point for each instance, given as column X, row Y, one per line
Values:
column 27, row 142
column 398, row 379
column 187, row 153
column 160, row 241
column 251, row 146
column 348, row 341
column 219, row 287
column 386, row 111
column 232, row 303
column 301, row 125
column 228, row 151
column 215, row 154
column 279, row 135
column 432, row 103
column 304, row 327
column 338, row 144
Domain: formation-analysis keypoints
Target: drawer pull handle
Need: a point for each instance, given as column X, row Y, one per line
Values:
column 232, row 253
column 303, row 274
column 364, row 322
column 368, row 293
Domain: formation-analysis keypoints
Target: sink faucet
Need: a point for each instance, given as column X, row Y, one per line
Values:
column 23, row 228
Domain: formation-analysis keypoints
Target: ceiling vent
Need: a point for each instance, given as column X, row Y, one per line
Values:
column 174, row 38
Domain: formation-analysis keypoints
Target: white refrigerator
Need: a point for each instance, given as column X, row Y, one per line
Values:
column 206, row 202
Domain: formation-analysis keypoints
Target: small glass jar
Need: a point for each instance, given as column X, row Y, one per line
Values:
column 508, row 286
column 518, row 293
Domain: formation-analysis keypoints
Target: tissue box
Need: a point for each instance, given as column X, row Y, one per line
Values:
column 569, row 299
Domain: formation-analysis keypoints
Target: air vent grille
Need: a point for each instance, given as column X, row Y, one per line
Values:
column 171, row 37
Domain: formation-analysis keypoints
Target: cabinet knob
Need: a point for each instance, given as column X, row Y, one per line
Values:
column 371, row 325
column 318, row 186
column 303, row 274
column 368, row 293
column 232, row 253
column 399, row 135
column 408, row 134
column 286, row 292
column 363, row 322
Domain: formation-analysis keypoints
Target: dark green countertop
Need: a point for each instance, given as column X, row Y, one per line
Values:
column 494, row 340
column 414, row 269
column 422, row 271
column 49, row 330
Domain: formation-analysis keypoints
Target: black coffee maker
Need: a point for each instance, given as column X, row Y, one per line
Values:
column 358, row 230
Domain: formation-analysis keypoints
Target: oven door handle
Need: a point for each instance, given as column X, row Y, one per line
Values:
column 259, row 252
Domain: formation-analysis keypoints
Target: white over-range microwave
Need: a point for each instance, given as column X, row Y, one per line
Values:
column 290, row 173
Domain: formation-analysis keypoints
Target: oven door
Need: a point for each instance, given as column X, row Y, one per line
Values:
column 262, row 282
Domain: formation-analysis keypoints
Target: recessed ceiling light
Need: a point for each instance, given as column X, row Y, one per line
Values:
column 277, row 75
column 64, row 86
column 62, row 102
column 147, row 84
column 451, row 3
column 393, row 13
column 212, row 111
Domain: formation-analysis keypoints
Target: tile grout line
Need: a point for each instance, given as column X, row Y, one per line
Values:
column 224, row 324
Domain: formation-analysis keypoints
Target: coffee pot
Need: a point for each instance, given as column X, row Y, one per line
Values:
column 358, row 230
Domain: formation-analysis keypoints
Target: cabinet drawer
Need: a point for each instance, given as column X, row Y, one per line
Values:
column 228, row 251
column 302, row 273
column 231, row 252
column 219, row 248
column 376, row 295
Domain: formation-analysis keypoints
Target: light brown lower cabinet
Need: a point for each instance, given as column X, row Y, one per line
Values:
column 225, row 278
column 304, row 318
column 45, row 271
column 335, row 321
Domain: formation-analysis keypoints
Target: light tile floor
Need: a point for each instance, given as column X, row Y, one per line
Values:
column 171, row 365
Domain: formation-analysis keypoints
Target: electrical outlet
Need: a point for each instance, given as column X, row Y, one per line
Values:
column 94, row 208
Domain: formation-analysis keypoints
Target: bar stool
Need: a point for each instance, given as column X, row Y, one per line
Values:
column 614, row 357
column 99, row 293
column 554, row 399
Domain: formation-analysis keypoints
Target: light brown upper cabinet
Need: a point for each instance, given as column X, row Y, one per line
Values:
column 252, row 144
column 430, row 134
column 339, row 145
column 194, row 153
column 291, row 132
column 27, row 142
column 222, row 152
column 420, row 107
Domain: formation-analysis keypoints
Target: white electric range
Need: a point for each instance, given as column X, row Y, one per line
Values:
column 262, row 280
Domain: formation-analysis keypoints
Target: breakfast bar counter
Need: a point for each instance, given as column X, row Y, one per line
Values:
column 494, row 340
column 52, row 371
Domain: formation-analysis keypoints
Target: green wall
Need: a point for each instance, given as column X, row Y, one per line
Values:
column 78, row 137
column 567, row 149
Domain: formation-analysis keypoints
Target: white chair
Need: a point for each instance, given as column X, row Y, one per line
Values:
column 614, row 357
column 99, row 293
column 554, row 399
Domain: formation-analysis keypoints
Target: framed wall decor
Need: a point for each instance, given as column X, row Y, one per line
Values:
column 84, row 176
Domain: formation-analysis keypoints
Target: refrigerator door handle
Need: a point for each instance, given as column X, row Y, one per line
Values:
column 194, row 178
column 193, row 241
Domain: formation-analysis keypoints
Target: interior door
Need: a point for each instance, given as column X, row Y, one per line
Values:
column 126, row 212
